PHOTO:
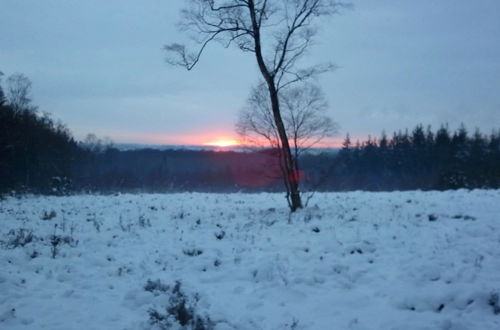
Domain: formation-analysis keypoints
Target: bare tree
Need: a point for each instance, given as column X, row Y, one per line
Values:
column 19, row 92
column 96, row 145
column 277, row 32
column 304, row 114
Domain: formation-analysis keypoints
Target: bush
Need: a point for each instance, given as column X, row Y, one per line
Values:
column 181, row 309
column 19, row 238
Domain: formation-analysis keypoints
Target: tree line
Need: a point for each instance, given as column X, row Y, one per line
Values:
column 39, row 154
column 420, row 159
column 36, row 152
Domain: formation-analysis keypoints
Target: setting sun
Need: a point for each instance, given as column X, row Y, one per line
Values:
column 222, row 143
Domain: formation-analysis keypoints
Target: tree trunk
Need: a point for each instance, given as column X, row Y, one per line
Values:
column 290, row 170
column 291, row 173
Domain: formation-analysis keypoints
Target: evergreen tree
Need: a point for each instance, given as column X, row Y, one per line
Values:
column 2, row 94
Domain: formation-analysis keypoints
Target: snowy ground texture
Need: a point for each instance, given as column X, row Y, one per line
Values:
column 411, row 260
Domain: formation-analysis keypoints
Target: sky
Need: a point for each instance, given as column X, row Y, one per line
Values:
column 99, row 67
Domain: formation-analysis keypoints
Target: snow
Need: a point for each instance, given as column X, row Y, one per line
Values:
column 401, row 260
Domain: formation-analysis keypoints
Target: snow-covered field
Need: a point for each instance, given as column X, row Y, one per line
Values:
column 410, row 260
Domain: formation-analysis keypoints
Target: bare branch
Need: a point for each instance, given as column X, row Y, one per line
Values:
column 19, row 92
column 245, row 23
column 304, row 114
column 288, row 78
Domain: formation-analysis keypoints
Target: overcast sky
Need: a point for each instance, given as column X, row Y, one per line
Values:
column 99, row 67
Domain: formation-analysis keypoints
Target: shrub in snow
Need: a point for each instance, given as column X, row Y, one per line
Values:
column 58, row 240
column 156, row 287
column 124, row 270
column 493, row 302
column 48, row 215
column 357, row 250
column 464, row 217
column 97, row 224
column 220, row 235
column 19, row 238
column 192, row 252
column 180, row 311
column 144, row 222
column 124, row 227
column 34, row 254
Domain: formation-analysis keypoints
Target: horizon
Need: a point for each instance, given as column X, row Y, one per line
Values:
column 333, row 143
column 205, row 146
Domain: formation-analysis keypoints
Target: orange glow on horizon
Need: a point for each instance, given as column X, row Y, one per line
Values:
column 218, row 139
column 222, row 143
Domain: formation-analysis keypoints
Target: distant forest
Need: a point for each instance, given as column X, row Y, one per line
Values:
column 39, row 155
